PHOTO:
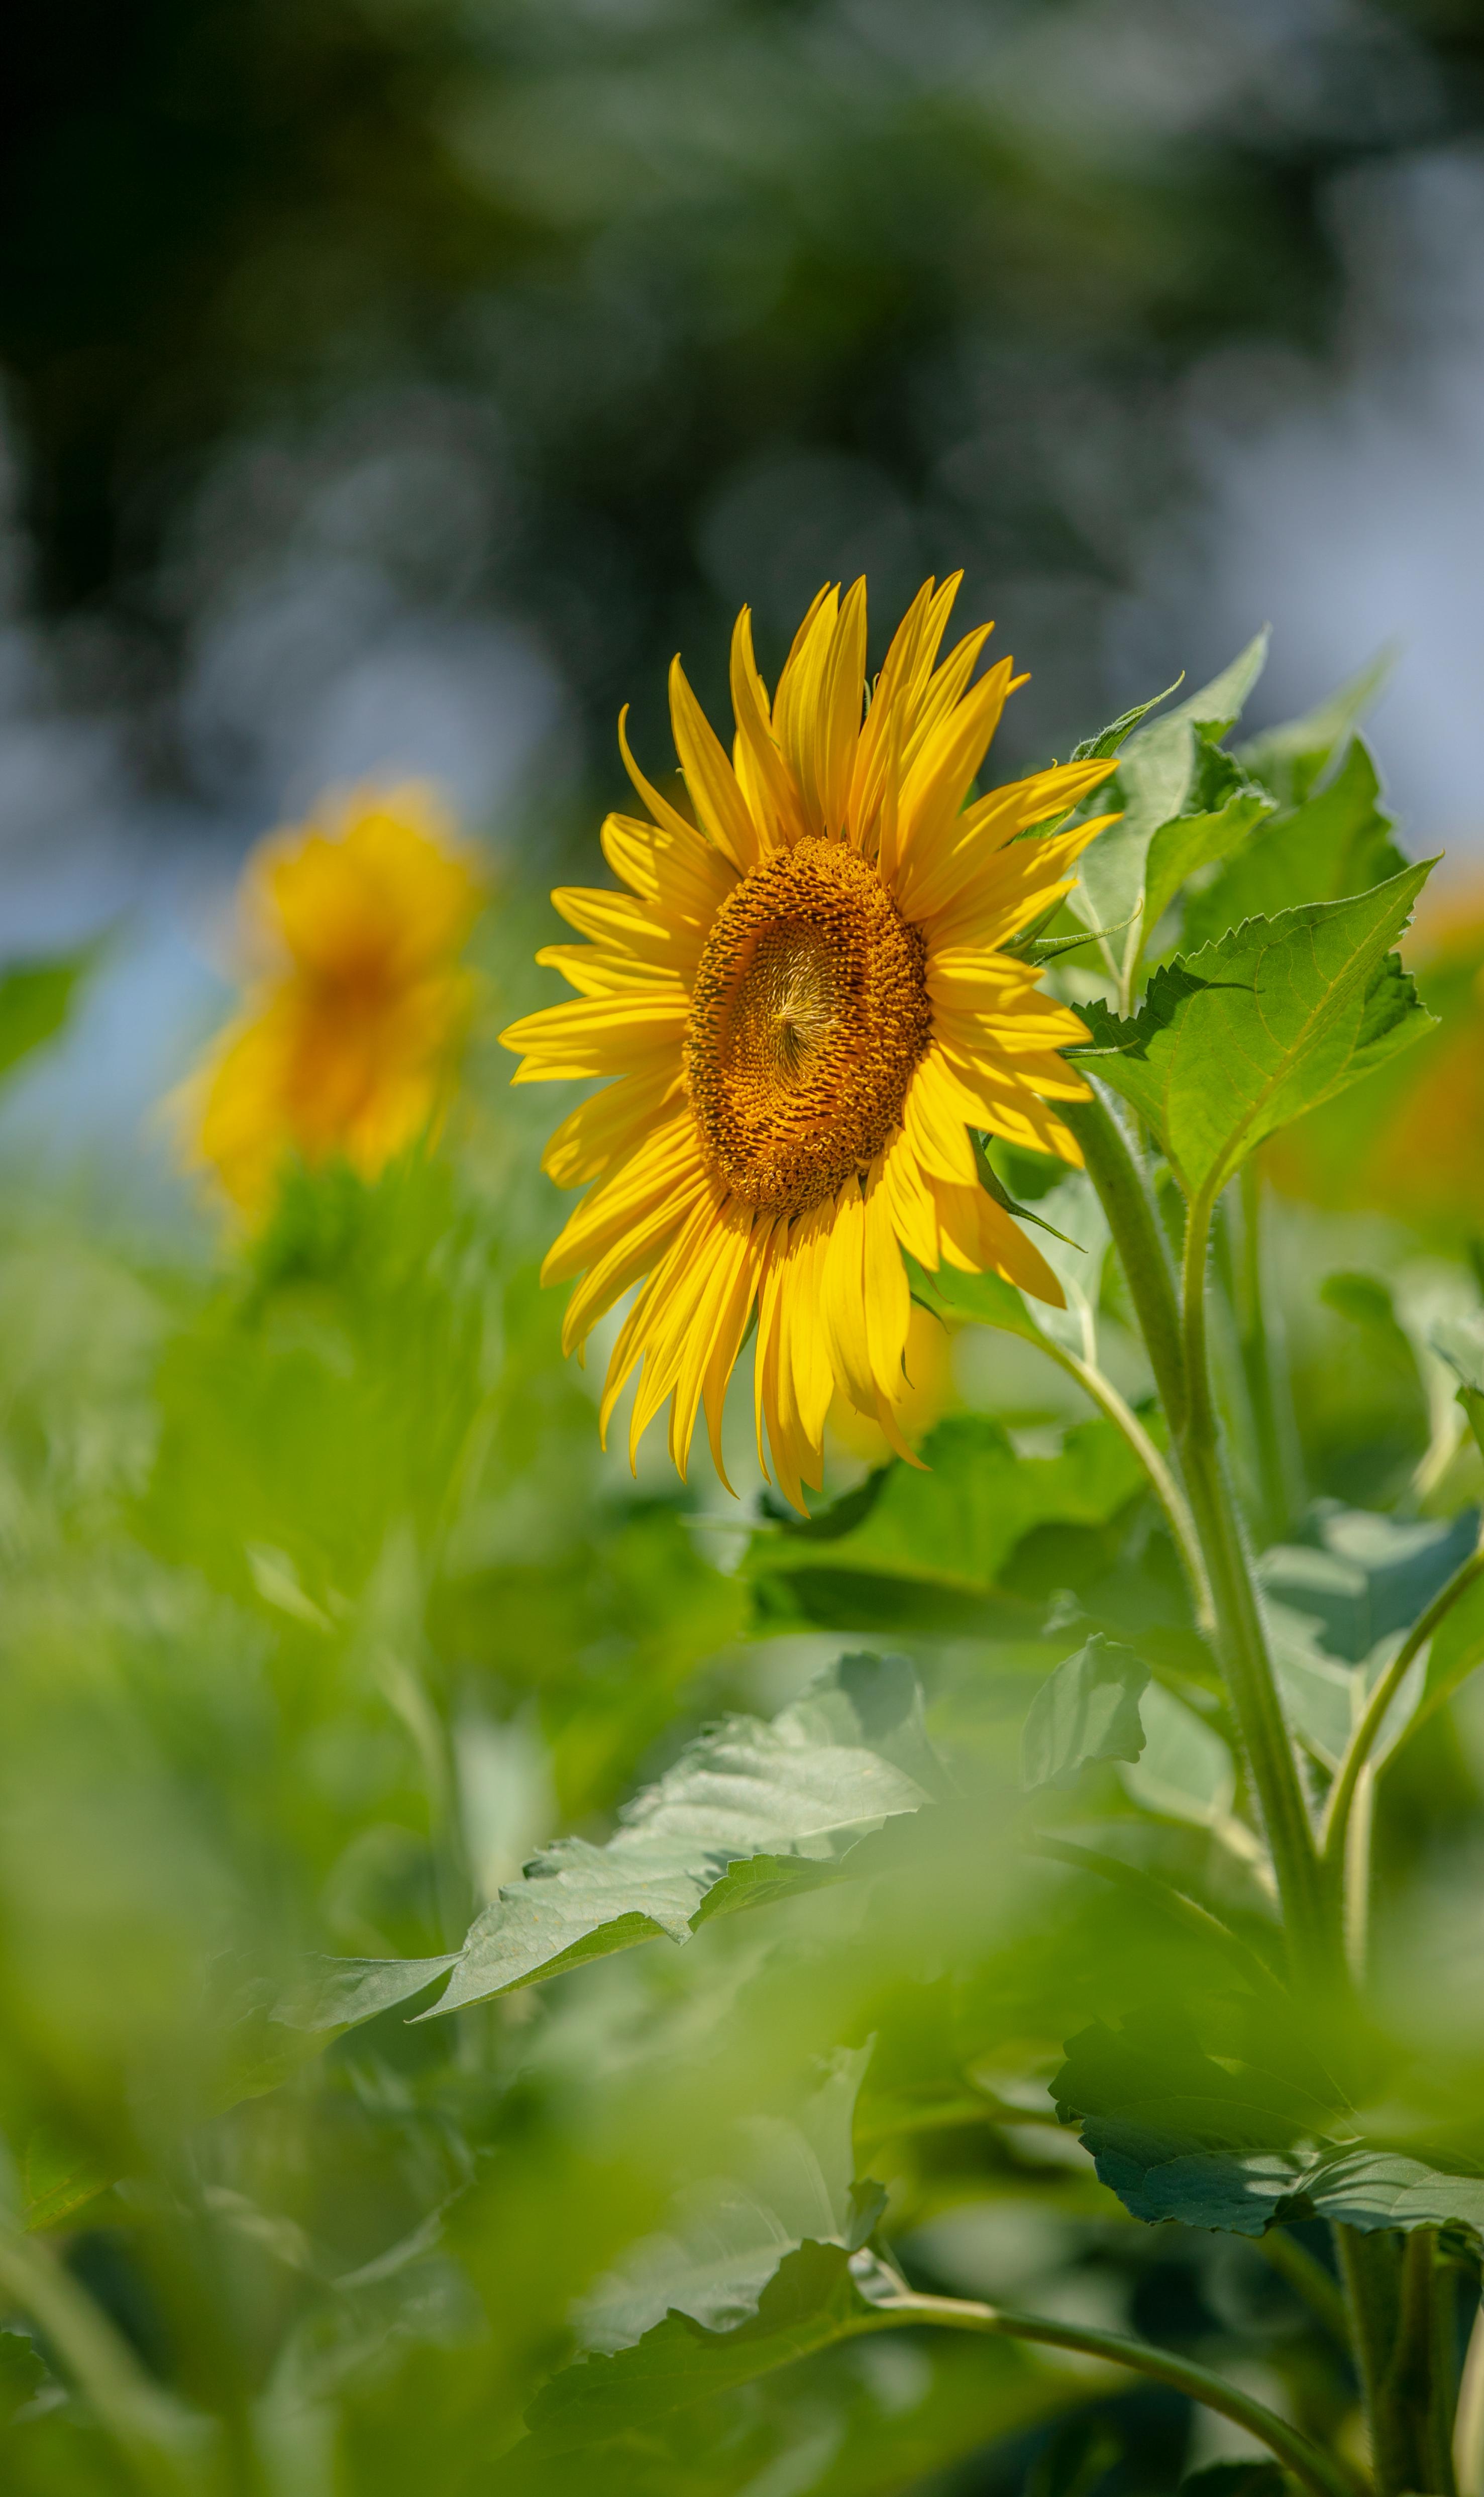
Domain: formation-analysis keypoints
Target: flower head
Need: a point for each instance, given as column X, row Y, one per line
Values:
column 356, row 1002
column 805, row 1001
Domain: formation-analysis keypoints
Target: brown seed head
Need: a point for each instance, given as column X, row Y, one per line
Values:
column 808, row 1014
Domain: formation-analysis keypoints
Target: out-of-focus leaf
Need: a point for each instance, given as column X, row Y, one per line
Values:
column 1335, row 843
column 22, row 2372
column 341, row 1993
column 1246, row 1035
column 1076, row 2460
column 1291, row 757
column 811, row 2302
column 794, row 2184
column 748, row 1813
column 1460, row 1343
column 1235, row 2479
column 56, row 2179
column 1366, row 1575
column 1185, row 1771
column 1086, row 1710
column 35, row 1001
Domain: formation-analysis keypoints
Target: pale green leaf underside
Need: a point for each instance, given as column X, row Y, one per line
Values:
column 1086, row 1710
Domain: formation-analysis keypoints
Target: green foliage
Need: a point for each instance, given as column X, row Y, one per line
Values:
column 36, row 1003
column 1086, row 1710
column 1260, row 1026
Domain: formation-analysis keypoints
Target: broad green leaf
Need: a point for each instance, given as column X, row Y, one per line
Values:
column 1159, row 778
column 793, row 2184
column 1335, row 843
column 1155, row 778
column 811, row 2302
column 1455, row 1649
column 338, row 1994
column 56, row 2179
column 1366, row 1575
column 36, row 1000
column 934, row 1543
column 1185, row 1771
column 748, row 1813
column 1291, row 757
column 1383, row 2189
column 1086, row 1710
column 1179, row 2134
column 1251, row 1031
column 1367, row 1302
column 1190, row 842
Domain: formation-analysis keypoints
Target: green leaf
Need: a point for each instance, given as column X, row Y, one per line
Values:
column 1093, row 749
column 1332, row 845
column 811, row 2302
column 1235, row 2479
column 1251, row 1031
column 1290, row 758
column 1214, row 2140
column 950, row 1529
column 1186, row 1771
column 748, row 1813
column 1364, row 1575
column 793, row 2185
column 338, row 1994
column 1086, row 1710
column 1190, row 842
column 23, row 2372
column 56, row 2179
column 1221, row 703
column 1384, row 2189
column 36, row 1000
column 1460, row 1343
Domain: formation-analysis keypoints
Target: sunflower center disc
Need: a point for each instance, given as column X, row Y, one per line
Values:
column 808, row 1014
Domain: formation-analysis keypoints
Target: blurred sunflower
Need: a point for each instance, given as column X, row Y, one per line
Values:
column 354, row 1002
column 807, row 1001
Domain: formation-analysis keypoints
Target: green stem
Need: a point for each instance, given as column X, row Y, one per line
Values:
column 1270, row 1443
column 1241, row 1638
column 1469, row 2420
column 1140, row 1242
column 1362, row 1743
column 1408, row 2454
column 1318, row 2472
column 1371, row 2269
column 143, row 2424
column 1172, row 1501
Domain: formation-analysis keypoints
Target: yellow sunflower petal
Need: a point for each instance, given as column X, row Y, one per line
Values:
column 672, row 867
column 603, row 1130
column 669, row 1159
column 713, row 783
column 609, row 1035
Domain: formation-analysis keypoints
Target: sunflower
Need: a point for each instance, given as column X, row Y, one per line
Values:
column 805, row 999
column 356, row 1001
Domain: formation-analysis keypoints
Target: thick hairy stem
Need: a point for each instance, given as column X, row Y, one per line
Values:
column 1272, row 1441
column 1469, row 2420
column 1406, row 2432
column 1242, row 1639
column 1317, row 2472
column 1140, row 1244
column 1371, row 2269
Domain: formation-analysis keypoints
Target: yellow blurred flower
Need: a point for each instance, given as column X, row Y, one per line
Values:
column 927, row 1365
column 355, row 999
